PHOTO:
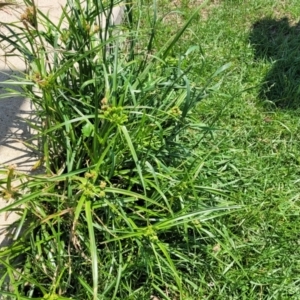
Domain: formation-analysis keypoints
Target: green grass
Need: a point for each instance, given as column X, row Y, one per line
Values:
column 149, row 209
column 255, row 152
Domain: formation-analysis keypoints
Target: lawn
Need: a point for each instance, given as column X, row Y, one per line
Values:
column 254, row 151
column 177, row 174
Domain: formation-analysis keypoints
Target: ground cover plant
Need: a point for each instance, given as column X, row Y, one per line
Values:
column 150, row 192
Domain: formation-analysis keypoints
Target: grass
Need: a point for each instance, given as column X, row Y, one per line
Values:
column 255, row 151
column 156, row 223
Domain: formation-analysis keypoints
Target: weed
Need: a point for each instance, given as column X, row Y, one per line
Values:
column 121, row 212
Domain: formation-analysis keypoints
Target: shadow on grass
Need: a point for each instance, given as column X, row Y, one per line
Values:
column 278, row 41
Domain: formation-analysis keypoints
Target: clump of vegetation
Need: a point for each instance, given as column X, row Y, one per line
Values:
column 122, row 212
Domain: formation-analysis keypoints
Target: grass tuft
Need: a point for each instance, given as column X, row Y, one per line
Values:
column 119, row 212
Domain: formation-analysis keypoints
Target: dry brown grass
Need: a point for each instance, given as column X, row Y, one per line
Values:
column 172, row 16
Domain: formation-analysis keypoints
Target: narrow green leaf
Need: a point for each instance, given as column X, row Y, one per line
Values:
column 93, row 247
column 134, row 155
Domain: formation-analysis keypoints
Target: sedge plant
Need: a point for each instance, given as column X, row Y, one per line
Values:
column 120, row 212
